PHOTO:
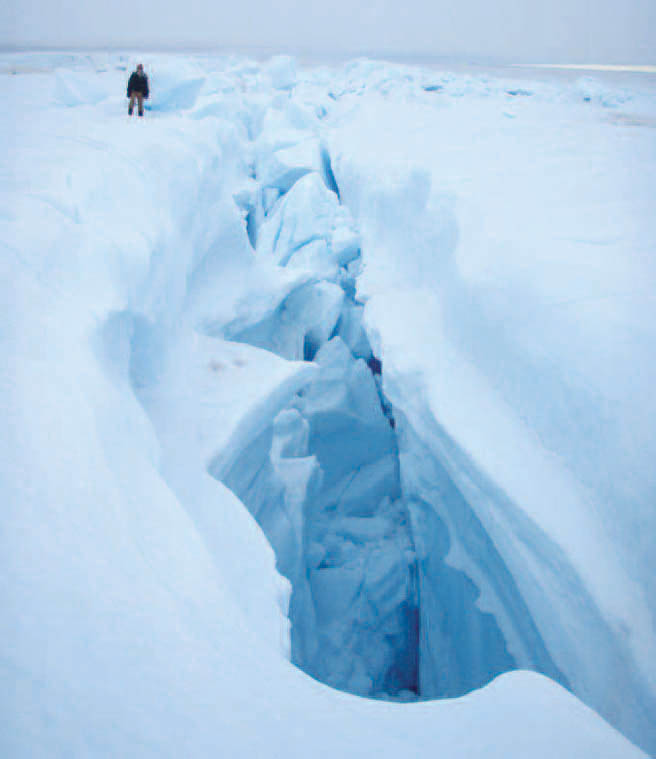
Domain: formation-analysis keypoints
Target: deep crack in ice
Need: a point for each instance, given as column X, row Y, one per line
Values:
column 375, row 608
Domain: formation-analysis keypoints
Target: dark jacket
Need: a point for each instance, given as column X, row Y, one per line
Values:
column 138, row 83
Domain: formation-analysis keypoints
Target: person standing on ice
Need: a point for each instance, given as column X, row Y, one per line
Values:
column 137, row 89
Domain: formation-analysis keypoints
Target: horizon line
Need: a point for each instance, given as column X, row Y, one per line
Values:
column 319, row 55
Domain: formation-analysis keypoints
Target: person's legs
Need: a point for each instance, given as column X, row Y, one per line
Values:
column 133, row 97
column 140, row 103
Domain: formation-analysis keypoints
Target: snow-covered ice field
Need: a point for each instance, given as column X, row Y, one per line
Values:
column 348, row 365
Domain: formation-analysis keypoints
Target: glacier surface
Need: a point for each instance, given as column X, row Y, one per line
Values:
column 350, row 367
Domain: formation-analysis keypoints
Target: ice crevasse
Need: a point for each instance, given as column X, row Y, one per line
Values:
column 356, row 543
column 408, row 578
column 271, row 328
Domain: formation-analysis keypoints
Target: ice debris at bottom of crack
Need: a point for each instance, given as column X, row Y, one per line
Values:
column 323, row 481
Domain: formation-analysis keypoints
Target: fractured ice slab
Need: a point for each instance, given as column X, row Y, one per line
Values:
column 175, row 89
column 301, row 322
column 314, row 257
column 305, row 214
column 359, row 492
column 345, row 241
column 348, row 428
column 275, row 490
column 281, row 168
column 351, row 331
column 363, row 592
column 279, row 129
column 269, row 197
column 308, row 212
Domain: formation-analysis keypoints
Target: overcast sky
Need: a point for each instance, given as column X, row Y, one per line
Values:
column 572, row 31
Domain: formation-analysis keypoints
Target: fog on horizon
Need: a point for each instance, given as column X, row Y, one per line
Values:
column 560, row 31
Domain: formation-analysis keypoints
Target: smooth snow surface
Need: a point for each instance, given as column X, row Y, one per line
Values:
column 349, row 367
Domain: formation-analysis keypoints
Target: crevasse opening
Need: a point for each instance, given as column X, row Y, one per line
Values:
column 324, row 483
column 375, row 609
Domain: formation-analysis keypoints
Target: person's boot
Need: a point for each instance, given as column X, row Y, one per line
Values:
column 130, row 111
column 140, row 113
